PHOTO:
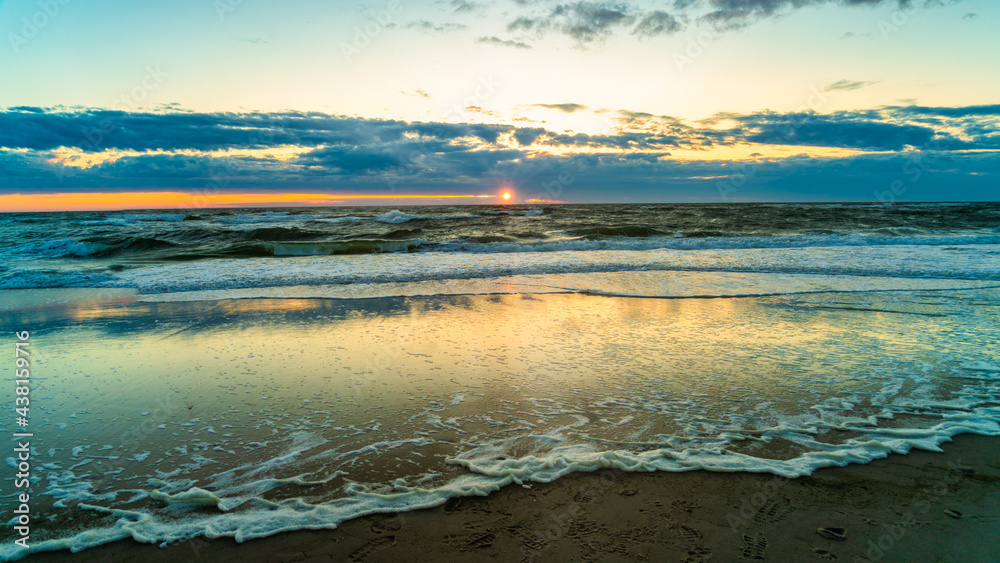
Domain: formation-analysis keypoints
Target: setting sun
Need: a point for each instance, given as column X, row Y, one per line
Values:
column 506, row 196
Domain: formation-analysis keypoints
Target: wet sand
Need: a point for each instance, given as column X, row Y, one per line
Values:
column 923, row 506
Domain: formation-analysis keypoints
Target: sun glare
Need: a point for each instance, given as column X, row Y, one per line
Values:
column 506, row 196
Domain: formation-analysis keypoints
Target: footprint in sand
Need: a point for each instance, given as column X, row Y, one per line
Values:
column 838, row 534
column 383, row 525
column 698, row 554
column 773, row 511
column 824, row 554
column 467, row 542
column 755, row 546
column 579, row 528
column 532, row 540
column 643, row 534
column 685, row 505
column 486, row 525
column 586, row 496
column 369, row 547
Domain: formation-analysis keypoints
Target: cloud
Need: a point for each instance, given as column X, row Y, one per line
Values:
column 590, row 22
column 810, row 129
column 852, row 35
column 525, row 136
column 496, row 41
column 567, row 107
column 98, row 130
column 466, row 7
column 970, row 16
column 657, row 23
column 100, row 149
column 734, row 14
column 435, row 28
column 847, row 85
column 964, row 111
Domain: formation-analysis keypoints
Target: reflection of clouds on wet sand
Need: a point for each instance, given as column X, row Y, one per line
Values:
column 326, row 409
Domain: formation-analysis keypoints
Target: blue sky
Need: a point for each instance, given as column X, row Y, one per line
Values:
column 678, row 100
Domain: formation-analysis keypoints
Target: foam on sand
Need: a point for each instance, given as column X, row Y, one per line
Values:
column 320, row 410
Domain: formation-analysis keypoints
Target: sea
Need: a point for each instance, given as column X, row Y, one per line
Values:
column 243, row 372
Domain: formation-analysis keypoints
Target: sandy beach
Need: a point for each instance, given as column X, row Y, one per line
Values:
column 925, row 506
column 465, row 280
column 517, row 426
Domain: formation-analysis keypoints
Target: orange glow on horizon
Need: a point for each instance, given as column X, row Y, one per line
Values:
column 187, row 200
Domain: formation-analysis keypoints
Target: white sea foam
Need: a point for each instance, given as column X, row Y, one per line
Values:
column 489, row 470
column 54, row 249
column 127, row 219
column 266, row 217
column 902, row 262
column 335, row 220
column 278, row 469
column 396, row 216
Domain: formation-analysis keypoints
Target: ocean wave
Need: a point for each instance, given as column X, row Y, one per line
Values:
column 593, row 239
column 51, row 278
column 626, row 231
column 266, row 217
column 375, row 246
column 517, row 212
column 629, row 238
column 378, row 267
column 58, row 248
column 336, row 220
column 126, row 219
column 396, row 216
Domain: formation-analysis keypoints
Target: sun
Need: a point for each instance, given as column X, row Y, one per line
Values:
column 506, row 196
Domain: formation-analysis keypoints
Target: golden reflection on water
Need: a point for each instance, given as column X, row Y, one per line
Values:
column 242, row 381
column 361, row 355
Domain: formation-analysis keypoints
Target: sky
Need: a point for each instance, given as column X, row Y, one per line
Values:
column 188, row 103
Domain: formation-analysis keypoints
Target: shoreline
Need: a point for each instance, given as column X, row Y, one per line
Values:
column 890, row 509
column 924, row 505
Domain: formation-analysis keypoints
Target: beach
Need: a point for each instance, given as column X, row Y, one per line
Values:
column 919, row 507
column 460, row 280
column 521, row 424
